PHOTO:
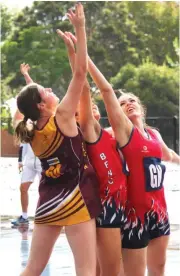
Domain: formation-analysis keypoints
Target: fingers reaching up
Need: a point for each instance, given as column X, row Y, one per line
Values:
column 24, row 68
column 78, row 18
column 73, row 38
column 67, row 40
column 63, row 36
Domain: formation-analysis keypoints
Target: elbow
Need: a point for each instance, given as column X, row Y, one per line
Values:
column 81, row 72
column 168, row 157
column 80, row 75
column 106, row 89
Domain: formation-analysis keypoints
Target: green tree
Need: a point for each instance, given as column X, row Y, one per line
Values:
column 43, row 51
column 157, row 87
column 6, row 22
column 119, row 33
column 158, row 25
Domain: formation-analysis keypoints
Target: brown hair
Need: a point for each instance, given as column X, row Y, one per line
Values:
column 27, row 101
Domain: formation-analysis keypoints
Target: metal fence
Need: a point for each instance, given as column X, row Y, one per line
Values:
column 168, row 127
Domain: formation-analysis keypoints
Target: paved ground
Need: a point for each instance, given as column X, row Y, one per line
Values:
column 14, row 251
column 15, row 243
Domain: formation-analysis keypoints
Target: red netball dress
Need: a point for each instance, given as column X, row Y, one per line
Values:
column 109, row 167
column 146, row 209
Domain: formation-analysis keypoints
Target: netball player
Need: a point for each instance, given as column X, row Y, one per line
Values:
column 69, row 189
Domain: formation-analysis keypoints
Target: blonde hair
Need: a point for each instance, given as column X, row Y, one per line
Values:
column 143, row 107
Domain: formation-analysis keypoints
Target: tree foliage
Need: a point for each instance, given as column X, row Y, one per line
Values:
column 134, row 44
column 6, row 22
column 157, row 86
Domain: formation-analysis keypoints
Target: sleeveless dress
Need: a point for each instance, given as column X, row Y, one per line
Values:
column 109, row 167
column 146, row 209
column 68, row 190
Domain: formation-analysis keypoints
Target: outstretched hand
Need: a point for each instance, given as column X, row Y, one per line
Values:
column 69, row 42
column 24, row 68
column 72, row 37
column 78, row 18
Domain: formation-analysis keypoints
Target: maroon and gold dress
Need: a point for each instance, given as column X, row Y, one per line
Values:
column 68, row 190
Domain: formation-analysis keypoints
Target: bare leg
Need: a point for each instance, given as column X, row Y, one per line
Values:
column 82, row 240
column 134, row 261
column 98, row 271
column 43, row 240
column 24, row 195
column 109, row 251
column 156, row 256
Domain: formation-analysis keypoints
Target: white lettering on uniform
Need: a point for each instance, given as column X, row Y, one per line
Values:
column 155, row 175
column 109, row 172
column 106, row 164
column 159, row 172
column 103, row 156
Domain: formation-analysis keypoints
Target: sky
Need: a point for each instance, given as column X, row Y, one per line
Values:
column 17, row 4
column 20, row 4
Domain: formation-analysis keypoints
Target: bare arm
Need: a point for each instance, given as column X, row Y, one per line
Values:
column 168, row 154
column 70, row 49
column 175, row 158
column 18, row 116
column 68, row 106
column 24, row 68
column 116, row 116
column 121, row 125
column 89, row 125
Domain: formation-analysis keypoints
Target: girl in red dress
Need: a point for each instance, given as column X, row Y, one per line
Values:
column 146, row 233
column 110, row 169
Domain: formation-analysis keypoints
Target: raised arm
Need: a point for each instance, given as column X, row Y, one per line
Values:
column 68, row 106
column 120, row 123
column 24, row 68
column 89, row 125
column 18, row 116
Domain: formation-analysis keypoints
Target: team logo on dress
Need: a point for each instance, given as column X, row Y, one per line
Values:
column 145, row 149
column 54, row 170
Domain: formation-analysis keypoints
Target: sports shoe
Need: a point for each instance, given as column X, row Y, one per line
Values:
column 20, row 220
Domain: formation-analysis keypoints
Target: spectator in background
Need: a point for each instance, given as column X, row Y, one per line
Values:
column 30, row 167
